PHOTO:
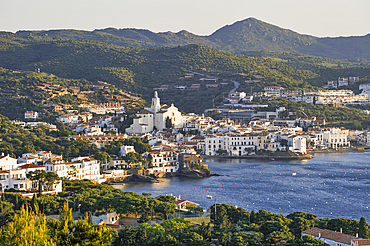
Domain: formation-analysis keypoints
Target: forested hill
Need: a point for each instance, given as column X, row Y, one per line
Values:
column 138, row 70
column 246, row 35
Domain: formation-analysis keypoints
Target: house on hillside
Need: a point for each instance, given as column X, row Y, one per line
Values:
column 31, row 115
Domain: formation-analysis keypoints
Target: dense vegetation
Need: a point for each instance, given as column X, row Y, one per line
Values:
column 231, row 225
column 138, row 70
column 26, row 91
column 320, row 111
column 308, row 62
column 16, row 141
column 82, row 56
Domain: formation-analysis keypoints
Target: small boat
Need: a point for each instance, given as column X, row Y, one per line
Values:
column 294, row 174
column 209, row 196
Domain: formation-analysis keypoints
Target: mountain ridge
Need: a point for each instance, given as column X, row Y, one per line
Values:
column 250, row 34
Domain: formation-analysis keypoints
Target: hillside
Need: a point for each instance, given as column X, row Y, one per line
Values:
column 141, row 70
column 246, row 35
column 37, row 91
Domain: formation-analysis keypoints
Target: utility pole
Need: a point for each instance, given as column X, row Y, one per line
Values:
column 215, row 210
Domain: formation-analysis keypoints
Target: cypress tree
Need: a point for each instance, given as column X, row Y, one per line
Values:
column 363, row 231
column 16, row 204
column 34, row 203
column 3, row 199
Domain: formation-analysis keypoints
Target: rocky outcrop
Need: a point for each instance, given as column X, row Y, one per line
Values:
column 190, row 173
column 131, row 179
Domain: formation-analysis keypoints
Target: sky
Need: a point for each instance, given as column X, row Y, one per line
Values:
column 321, row 18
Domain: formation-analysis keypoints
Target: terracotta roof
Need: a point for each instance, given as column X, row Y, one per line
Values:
column 332, row 235
column 30, row 166
column 144, row 111
column 362, row 242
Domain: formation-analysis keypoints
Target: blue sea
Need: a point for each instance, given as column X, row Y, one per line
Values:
column 328, row 185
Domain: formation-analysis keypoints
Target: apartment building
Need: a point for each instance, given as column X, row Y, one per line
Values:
column 163, row 161
column 335, row 138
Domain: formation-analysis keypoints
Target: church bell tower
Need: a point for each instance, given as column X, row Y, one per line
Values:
column 156, row 103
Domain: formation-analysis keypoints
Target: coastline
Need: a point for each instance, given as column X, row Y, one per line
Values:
column 356, row 150
column 271, row 157
column 135, row 178
column 286, row 156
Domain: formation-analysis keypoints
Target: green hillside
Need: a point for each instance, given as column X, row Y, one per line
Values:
column 140, row 70
column 96, row 36
column 37, row 91
column 246, row 35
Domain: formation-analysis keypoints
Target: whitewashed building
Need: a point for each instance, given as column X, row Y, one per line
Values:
column 155, row 116
column 335, row 138
column 163, row 161
column 31, row 115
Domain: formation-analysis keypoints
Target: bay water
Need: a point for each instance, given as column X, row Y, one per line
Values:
column 333, row 185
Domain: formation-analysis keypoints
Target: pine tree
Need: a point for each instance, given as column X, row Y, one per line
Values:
column 28, row 229
column 68, row 232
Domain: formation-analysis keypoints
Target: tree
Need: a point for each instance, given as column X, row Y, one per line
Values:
column 205, row 231
column 126, row 236
column 298, row 225
column 169, row 199
column 102, row 157
column 66, row 231
column 356, row 125
column 34, row 203
column 363, row 231
column 308, row 240
column 237, row 240
column 166, row 208
column 65, row 133
column 6, row 212
column 150, row 160
column 51, row 179
column 168, row 122
column 276, row 232
column 133, row 158
column 39, row 177
column 220, row 219
column 28, row 229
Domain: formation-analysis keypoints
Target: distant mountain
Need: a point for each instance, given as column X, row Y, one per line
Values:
column 242, row 36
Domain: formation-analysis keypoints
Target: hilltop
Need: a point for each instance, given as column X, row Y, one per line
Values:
column 246, row 35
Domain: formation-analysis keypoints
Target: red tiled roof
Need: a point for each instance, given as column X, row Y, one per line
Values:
column 362, row 242
column 30, row 166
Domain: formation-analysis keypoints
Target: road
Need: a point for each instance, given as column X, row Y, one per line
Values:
column 236, row 84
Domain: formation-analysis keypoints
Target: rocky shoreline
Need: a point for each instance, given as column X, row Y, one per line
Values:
column 339, row 150
column 271, row 156
column 131, row 179
column 184, row 173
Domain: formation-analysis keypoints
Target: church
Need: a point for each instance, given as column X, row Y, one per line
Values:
column 154, row 117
